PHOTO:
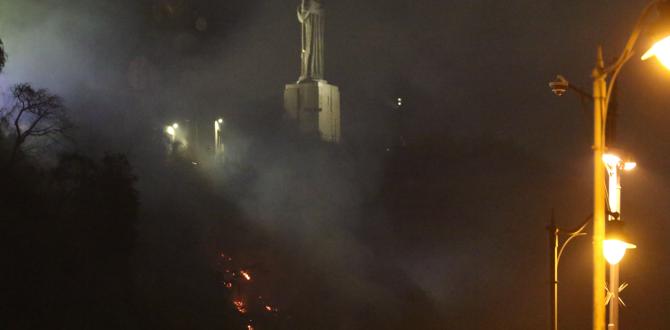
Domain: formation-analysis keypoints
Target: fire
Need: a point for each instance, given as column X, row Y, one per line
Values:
column 239, row 304
column 246, row 275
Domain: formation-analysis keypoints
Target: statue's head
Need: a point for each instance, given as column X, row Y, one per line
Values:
column 315, row 4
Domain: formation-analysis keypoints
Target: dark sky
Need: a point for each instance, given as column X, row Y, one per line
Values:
column 474, row 74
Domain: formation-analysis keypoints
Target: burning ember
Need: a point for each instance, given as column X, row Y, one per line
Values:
column 239, row 304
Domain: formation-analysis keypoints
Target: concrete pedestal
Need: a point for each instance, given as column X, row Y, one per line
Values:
column 315, row 105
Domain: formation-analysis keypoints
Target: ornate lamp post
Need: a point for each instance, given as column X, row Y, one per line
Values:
column 604, row 78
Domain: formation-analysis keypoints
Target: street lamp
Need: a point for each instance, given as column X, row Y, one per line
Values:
column 171, row 130
column 604, row 78
column 615, row 245
column 218, row 136
column 556, row 251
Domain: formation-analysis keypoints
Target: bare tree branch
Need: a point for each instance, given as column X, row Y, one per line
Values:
column 37, row 113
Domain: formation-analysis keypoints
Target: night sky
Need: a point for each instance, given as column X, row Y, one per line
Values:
column 447, row 233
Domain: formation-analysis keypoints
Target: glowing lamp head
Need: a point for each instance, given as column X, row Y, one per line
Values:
column 614, row 245
column 661, row 50
column 611, row 160
column 617, row 159
column 175, row 125
column 220, row 120
column 170, row 130
column 629, row 166
column 614, row 250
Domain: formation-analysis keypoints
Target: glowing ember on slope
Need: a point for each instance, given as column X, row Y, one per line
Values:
column 239, row 304
column 246, row 275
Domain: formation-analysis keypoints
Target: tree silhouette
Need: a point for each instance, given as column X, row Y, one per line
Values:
column 3, row 56
column 33, row 113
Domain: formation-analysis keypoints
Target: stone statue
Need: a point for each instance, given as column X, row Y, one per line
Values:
column 311, row 16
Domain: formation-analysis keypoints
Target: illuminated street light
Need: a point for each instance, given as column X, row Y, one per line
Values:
column 661, row 50
column 218, row 137
column 604, row 79
column 615, row 244
column 614, row 250
column 171, row 130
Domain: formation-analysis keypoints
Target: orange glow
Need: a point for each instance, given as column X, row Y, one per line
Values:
column 268, row 308
column 246, row 275
column 249, row 327
column 239, row 305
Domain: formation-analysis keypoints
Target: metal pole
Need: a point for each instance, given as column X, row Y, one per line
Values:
column 614, row 300
column 553, row 273
column 614, row 193
column 599, row 96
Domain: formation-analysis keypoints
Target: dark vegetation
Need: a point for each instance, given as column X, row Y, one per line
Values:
column 67, row 230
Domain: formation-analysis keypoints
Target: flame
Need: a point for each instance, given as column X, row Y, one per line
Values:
column 246, row 275
column 239, row 304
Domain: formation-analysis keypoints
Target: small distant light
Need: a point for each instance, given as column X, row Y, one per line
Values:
column 175, row 125
column 170, row 130
column 195, row 163
column 220, row 120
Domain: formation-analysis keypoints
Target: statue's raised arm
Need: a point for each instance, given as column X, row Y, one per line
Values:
column 303, row 13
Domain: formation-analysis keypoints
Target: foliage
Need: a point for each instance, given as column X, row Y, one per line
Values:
column 67, row 235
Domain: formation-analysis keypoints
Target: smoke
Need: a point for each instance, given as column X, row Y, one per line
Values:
column 348, row 237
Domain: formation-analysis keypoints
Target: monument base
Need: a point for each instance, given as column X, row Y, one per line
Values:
column 315, row 105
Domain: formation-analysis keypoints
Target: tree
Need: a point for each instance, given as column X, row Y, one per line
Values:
column 3, row 56
column 33, row 113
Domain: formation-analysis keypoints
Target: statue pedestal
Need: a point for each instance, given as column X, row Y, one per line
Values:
column 315, row 105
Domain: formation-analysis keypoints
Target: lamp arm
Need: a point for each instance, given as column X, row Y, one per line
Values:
column 580, row 92
column 626, row 54
column 579, row 231
column 634, row 36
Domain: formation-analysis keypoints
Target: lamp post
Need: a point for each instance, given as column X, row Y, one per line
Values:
column 171, row 130
column 604, row 78
column 614, row 246
column 218, row 140
column 556, row 248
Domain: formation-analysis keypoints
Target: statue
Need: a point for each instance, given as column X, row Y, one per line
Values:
column 311, row 16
